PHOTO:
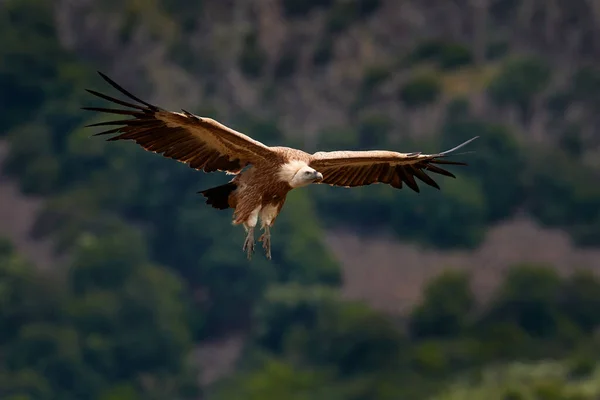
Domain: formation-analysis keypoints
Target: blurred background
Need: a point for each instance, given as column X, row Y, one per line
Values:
column 117, row 282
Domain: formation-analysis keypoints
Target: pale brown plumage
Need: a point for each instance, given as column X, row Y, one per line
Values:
column 359, row 168
column 259, row 192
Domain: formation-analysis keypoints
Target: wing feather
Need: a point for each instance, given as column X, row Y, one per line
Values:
column 359, row 168
column 202, row 143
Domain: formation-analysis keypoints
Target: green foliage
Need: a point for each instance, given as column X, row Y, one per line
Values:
column 30, row 45
column 373, row 130
column 454, row 55
column 308, row 261
column 533, row 381
column 301, row 8
column 448, row 302
column 374, row 77
column 497, row 49
column 26, row 29
column 319, row 328
column 76, row 338
column 186, row 13
column 430, row 217
column 336, row 137
column 32, row 158
column 252, row 58
column 121, row 321
column 420, row 91
column 22, row 294
column 288, row 306
column 571, row 141
column 519, row 82
column 580, row 299
column 529, row 298
column 498, row 156
column 323, row 51
column 24, row 385
column 558, row 103
column 439, row 358
column 277, row 379
column 447, row 55
column 527, row 312
column 585, row 85
column 286, row 65
column 263, row 129
column 562, row 195
column 344, row 13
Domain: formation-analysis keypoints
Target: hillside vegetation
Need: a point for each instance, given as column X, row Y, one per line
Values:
column 147, row 271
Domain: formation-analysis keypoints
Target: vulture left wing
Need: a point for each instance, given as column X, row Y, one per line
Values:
column 359, row 168
column 202, row 143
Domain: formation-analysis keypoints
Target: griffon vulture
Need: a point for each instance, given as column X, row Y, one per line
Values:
column 259, row 192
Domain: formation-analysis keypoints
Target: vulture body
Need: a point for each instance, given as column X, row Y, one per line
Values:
column 258, row 193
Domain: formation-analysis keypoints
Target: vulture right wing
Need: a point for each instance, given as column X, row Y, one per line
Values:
column 359, row 168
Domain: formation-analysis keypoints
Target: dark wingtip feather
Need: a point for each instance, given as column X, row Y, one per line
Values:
column 422, row 176
column 447, row 162
column 114, row 100
column 114, row 111
column 115, row 130
column 109, row 123
column 125, row 92
column 439, row 171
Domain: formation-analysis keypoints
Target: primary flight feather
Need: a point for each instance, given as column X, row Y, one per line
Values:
column 259, row 192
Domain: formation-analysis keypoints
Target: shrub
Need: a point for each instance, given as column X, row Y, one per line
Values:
column 345, row 13
column 447, row 302
column 323, row 52
column 314, row 325
column 497, row 156
column 519, row 81
column 585, row 85
column 373, row 130
column 300, row 8
column 562, row 196
column 496, row 50
column 454, row 55
column 252, row 59
column 287, row 63
column 374, row 76
column 420, row 91
column 448, row 55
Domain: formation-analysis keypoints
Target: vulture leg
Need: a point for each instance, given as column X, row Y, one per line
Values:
column 249, row 225
column 249, row 242
column 266, row 239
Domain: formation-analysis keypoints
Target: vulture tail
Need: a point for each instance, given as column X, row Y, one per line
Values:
column 218, row 196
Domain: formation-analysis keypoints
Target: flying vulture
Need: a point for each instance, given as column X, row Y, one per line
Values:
column 259, row 192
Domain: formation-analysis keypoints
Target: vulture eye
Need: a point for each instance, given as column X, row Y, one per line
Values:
column 307, row 173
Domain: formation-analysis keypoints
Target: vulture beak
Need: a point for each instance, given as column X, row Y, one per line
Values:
column 318, row 177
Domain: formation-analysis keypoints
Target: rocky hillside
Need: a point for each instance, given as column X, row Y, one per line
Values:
column 376, row 73
column 416, row 75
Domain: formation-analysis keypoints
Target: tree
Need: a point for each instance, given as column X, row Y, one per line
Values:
column 518, row 84
column 580, row 300
column 132, row 315
column 313, row 325
column 563, row 196
column 528, row 311
column 493, row 165
column 446, row 307
column 420, row 91
column 277, row 379
column 114, row 320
